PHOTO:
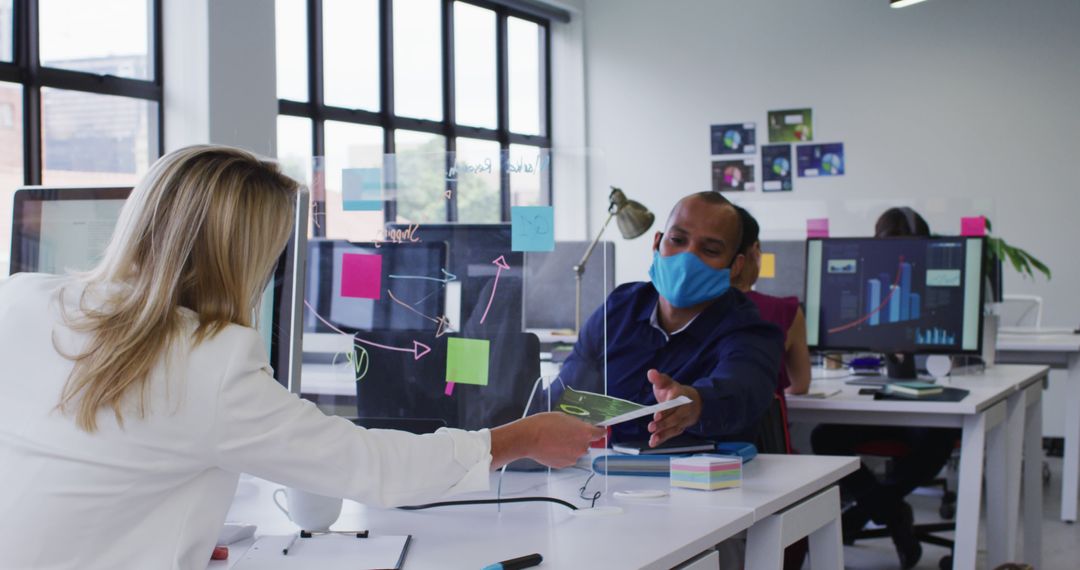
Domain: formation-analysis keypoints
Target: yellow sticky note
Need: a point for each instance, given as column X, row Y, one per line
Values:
column 768, row 266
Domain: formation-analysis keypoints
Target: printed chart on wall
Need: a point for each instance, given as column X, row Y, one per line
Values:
column 820, row 160
column 776, row 168
column 733, row 175
column 791, row 125
column 874, row 294
column 735, row 138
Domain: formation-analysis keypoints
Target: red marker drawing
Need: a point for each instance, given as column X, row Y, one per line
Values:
column 499, row 262
column 418, row 349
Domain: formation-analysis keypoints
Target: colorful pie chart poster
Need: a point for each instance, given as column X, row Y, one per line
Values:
column 820, row 159
column 738, row 138
column 776, row 168
column 791, row 125
column 733, row 175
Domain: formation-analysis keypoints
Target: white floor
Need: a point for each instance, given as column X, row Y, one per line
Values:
column 1061, row 542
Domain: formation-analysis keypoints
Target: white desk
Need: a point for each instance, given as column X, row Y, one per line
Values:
column 649, row 534
column 998, row 419
column 1058, row 351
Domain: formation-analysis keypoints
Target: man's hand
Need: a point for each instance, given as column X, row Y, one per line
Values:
column 670, row 423
column 552, row 438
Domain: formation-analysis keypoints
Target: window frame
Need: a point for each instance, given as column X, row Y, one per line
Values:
column 26, row 70
column 318, row 112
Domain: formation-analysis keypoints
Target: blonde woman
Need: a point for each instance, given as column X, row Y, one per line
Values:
column 132, row 397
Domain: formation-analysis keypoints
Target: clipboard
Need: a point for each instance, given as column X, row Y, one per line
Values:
column 328, row 552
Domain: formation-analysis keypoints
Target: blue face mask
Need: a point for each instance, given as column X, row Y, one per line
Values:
column 685, row 280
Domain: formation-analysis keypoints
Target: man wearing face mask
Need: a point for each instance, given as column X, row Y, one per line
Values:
column 685, row 333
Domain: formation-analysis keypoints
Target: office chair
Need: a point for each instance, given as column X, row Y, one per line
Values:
column 925, row 532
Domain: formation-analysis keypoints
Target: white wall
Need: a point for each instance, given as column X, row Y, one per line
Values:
column 972, row 100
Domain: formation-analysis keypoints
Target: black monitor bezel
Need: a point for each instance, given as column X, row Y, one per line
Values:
column 876, row 349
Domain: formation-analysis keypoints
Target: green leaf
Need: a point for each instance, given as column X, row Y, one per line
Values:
column 989, row 227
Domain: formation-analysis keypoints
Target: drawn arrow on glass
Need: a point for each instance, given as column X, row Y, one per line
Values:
column 418, row 349
column 448, row 277
column 442, row 322
column 499, row 262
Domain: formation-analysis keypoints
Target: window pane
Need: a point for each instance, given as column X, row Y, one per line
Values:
column 477, row 164
column 96, row 139
column 11, row 157
column 351, row 54
column 7, row 30
column 474, row 65
column 420, row 169
column 105, row 37
column 350, row 146
column 294, row 147
column 523, row 46
column 530, row 168
column 290, row 17
column 418, row 59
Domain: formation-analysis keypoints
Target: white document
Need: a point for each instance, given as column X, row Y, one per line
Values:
column 646, row 411
column 325, row 552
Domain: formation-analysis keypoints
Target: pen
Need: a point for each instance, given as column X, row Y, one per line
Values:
column 285, row 551
column 516, row 563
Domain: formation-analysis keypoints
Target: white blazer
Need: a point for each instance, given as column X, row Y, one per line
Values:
column 154, row 493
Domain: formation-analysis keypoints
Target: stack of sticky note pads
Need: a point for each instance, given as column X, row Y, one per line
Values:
column 706, row 472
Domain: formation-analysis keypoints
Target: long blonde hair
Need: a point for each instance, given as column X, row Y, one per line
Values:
column 203, row 230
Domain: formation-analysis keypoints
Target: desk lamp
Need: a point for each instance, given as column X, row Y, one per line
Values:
column 634, row 219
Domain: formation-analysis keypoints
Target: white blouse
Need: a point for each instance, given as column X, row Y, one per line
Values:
column 154, row 493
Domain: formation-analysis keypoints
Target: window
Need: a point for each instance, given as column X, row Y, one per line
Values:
column 442, row 94
column 80, row 95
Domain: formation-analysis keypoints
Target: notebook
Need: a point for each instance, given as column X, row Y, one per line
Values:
column 326, row 552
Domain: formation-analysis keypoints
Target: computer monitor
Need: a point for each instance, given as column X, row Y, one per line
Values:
column 550, row 286
column 410, row 293
column 56, row 230
column 473, row 248
column 788, row 264
column 895, row 295
column 399, row 386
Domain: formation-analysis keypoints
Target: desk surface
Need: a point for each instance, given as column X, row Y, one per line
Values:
column 653, row 533
column 771, row 483
column 986, row 389
column 641, row 536
column 1039, row 342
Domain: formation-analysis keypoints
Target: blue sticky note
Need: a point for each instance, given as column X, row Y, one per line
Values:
column 361, row 189
column 533, row 228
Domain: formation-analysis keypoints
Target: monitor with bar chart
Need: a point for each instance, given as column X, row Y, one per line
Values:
column 912, row 295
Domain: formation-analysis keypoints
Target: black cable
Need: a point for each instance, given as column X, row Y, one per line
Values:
column 594, row 497
column 490, row 502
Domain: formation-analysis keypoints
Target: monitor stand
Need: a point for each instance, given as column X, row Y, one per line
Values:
column 900, row 366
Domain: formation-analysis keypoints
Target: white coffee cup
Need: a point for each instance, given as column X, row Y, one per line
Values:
column 308, row 510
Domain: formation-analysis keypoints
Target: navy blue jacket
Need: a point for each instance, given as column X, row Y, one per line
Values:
column 728, row 353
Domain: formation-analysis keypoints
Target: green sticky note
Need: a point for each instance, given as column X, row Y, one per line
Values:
column 467, row 361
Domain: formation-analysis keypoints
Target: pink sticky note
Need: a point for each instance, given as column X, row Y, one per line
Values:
column 449, row 389
column 817, row 227
column 361, row 275
column 973, row 226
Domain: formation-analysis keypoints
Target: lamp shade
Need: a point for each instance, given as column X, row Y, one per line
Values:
column 632, row 217
column 903, row 3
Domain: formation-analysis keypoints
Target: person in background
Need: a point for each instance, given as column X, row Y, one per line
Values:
column 927, row 449
column 133, row 396
column 685, row 333
column 784, row 312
